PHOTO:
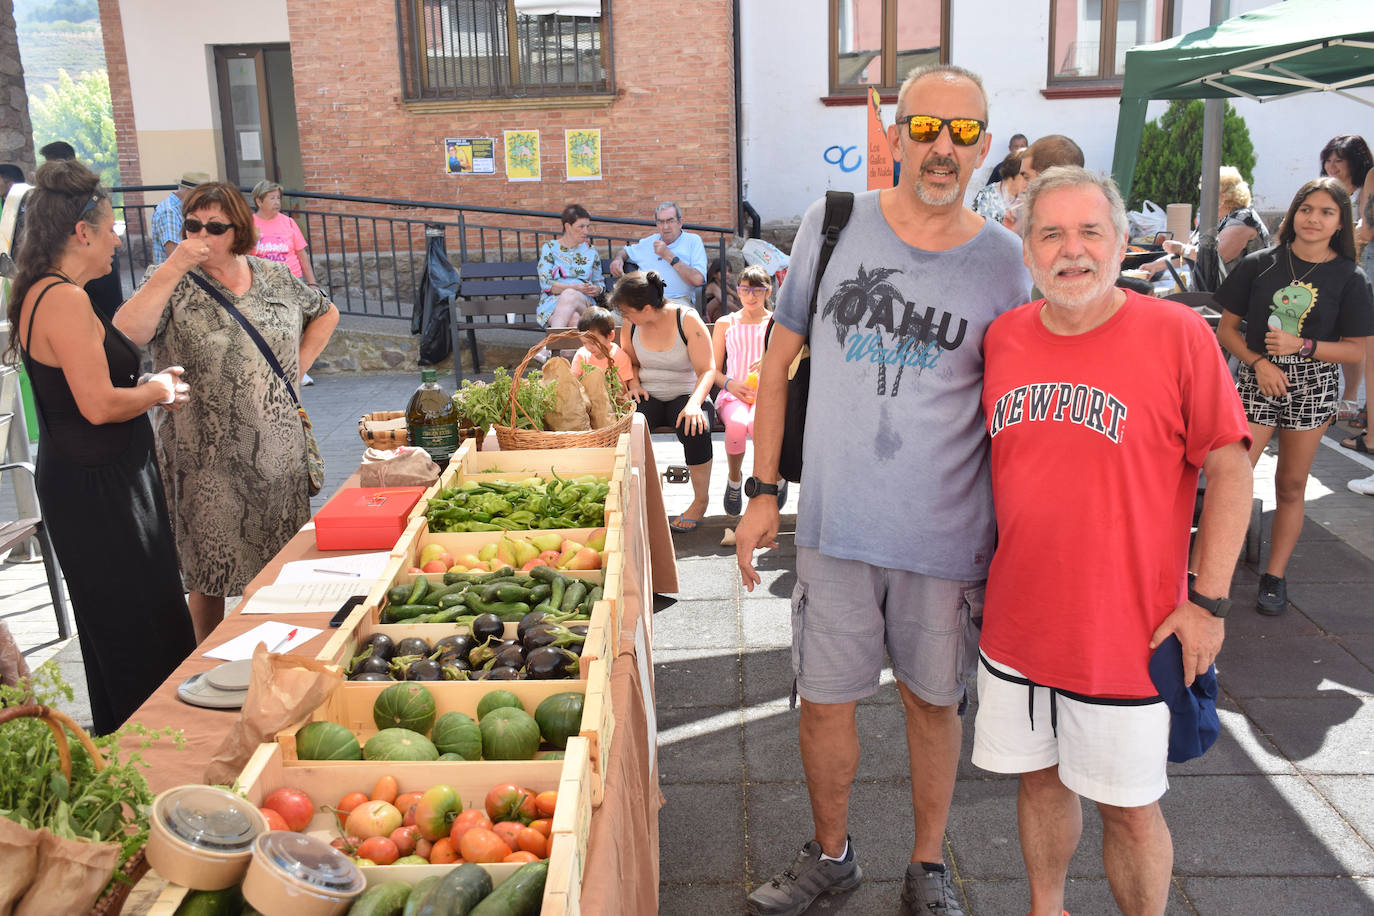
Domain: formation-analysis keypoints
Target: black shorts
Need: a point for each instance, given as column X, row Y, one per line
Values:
column 1313, row 391
column 696, row 447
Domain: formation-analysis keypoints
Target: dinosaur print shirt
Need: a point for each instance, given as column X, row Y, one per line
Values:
column 1321, row 301
column 896, row 464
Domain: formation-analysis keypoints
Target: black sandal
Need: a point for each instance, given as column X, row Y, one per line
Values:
column 1359, row 421
column 1357, row 444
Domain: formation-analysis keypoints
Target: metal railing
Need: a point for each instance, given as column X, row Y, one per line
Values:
column 368, row 253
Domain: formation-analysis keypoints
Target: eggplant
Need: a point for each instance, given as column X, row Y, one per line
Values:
column 370, row 676
column 579, row 628
column 553, row 634
column 454, row 673
column 512, row 655
column 481, row 656
column 552, row 663
column 459, row 642
column 383, row 646
column 453, row 659
column 413, row 645
column 487, row 626
column 530, row 620
column 503, row 673
column 424, row 670
column 373, row 664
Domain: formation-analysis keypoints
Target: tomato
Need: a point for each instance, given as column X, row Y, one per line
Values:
column 274, row 820
column 293, row 805
column 346, row 844
column 543, row 824
column 347, row 804
column 423, row 848
column 406, row 799
column 472, row 817
column 509, row 802
column 379, row 849
column 521, row 856
column 373, row 818
column 385, row 790
column 436, row 810
column 531, row 840
column 405, row 839
column 443, row 853
column 482, row 845
column 544, row 802
column 508, row 831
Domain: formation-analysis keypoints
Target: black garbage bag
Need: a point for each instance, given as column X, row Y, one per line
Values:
column 431, row 315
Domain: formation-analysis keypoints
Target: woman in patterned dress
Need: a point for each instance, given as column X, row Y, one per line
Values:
column 569, row 271
column 233, row 460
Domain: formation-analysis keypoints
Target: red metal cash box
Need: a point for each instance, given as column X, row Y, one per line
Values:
column 365, row 518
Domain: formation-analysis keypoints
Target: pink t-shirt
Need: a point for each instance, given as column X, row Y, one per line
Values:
column 279, row 238
column 585, row 358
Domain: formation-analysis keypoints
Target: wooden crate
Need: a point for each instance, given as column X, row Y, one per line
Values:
column 460, row 543
column 351, row 705
column 268, row 770
column 611, row 463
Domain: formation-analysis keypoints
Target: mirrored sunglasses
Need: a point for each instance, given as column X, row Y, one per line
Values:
column 925, row 128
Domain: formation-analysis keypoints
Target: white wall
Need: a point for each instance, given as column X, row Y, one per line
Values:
column 786, row 131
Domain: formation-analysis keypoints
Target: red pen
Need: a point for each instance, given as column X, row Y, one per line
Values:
column 286, row 639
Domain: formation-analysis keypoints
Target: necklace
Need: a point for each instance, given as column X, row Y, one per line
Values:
column 1293, row 270
column 1290, row 305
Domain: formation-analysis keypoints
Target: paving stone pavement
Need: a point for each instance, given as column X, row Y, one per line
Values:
column 1277, row 818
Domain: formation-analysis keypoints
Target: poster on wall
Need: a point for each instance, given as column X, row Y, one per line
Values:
column 469, row 156
column 583, row 148
column 522, row 155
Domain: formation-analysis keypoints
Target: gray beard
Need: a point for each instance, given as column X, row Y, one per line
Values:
column 931, row 198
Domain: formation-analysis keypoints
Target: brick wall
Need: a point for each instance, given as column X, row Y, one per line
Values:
column 669, row 134
column 117, row 64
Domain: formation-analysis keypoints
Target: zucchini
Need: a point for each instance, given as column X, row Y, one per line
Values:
column 572, row 596
column 417, row 590
column 395, row 613
column 521, row 895
column 505, row 591
column 458, row 892
column 545, row 574
column 385, row 899
column 540, row 592
column 421, row 893
column 452, row 598
column 398, row 594
column 226, row 902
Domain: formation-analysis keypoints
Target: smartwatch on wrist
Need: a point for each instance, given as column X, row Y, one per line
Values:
column 673, row 262
column 1308, row 347
column 1217, row 607
column 755, row 487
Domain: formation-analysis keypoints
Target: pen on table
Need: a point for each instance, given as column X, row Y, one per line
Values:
column 284, row 640
column 338, row 572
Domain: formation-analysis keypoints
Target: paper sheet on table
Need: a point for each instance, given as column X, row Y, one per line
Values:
column 366, row 566
column 305, row 597
column 278, row 637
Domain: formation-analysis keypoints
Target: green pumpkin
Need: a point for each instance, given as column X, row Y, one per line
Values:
column 509, row 734
column 456, row 733
column 497, row 699
column 560, row 718
column 327, row 741
column 399, row 744
column 404, row 706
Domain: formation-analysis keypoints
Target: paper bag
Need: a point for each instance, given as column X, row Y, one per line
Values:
column 285, row 689
column 71, row 875
column 19, row 852
column 405, row 466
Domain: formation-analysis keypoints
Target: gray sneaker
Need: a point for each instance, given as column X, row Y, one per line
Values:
column 926, row 892
column 790, row 892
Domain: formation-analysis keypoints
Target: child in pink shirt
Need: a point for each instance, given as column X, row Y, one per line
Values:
column 602, row 323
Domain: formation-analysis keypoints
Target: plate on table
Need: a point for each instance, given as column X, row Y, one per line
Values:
column 198, row 691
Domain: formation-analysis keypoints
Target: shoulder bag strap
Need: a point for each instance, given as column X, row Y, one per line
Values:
column 680, row 332
column 838, row 207
column 248, row 327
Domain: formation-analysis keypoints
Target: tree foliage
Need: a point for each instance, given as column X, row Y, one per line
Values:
column 80, row 112
column 1170, row 160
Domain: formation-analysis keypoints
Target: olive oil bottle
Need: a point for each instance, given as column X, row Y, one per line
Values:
column 432, row 419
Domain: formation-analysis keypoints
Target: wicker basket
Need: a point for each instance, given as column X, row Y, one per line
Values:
column 511, row 439
column 112, row 901
column 382, row 438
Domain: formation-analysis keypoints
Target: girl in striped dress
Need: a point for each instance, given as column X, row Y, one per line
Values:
column 738, row 340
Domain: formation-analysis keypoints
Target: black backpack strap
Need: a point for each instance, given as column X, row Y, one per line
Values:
column 838, row 207
column 250, row 330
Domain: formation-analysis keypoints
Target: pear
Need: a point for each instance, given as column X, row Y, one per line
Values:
column 471, row 560
column 505, row 555
column 487, row 552
column 597, row 539
column 431, row 552
column 586, row 558
column 549, row 541
column 567, row 557
column 523, row 551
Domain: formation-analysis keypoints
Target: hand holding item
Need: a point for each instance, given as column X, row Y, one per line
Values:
column 175, row 391
column 188, row 254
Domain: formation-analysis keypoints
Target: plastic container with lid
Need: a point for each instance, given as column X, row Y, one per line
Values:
column 202, row 837
column 301, row 875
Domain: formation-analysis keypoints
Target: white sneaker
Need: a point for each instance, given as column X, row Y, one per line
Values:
column 307, row 380
column 1364, row 486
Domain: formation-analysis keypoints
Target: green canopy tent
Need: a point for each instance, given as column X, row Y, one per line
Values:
column 1281, row 51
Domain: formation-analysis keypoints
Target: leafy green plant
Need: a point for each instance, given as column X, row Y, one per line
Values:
column 110, row 806
column 1170, row 160
column 80, row 112
column 485, row 404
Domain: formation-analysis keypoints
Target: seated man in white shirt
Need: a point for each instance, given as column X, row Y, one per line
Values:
column 678, row 257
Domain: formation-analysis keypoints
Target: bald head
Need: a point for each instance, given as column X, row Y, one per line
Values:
column 948, row 73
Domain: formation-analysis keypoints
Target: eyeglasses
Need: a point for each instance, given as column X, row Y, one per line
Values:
column 194, row 225
column 925, row 128
column 742, row 289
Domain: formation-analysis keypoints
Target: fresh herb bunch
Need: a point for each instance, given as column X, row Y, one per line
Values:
column 620, row 398
column 485, row 404
column 110, row 806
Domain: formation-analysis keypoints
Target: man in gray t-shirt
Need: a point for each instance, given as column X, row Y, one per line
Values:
column 894, row 525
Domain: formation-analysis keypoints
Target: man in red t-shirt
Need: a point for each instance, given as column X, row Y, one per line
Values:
column 1102, row 405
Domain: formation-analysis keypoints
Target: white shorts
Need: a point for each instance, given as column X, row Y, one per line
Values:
column 1106, row 751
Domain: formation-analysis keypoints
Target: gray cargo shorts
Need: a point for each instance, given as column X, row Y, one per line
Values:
column 845, row 612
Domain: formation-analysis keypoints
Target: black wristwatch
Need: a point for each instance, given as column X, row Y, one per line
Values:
column 1217, row 607
column 755, row 487
column 673, row 262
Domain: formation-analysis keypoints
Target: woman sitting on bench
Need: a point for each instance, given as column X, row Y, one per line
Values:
column 569, row 271
column 668, row 344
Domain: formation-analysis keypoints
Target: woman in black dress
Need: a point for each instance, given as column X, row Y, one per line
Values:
column 98, row 480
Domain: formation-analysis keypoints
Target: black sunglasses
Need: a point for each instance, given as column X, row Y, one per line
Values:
column 925, row 128
column 194, row 225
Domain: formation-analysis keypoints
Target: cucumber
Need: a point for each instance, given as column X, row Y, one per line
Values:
column 507, row 591
column 398, row 594
column 385, row 899
column 395, row 613
column 458, row 892
column 452, row 598
column 545, row 574
column 423, row 889
column 227, row 902
column 540, row 592
column 417, row 590
column 521, row 895
column 572, row 596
